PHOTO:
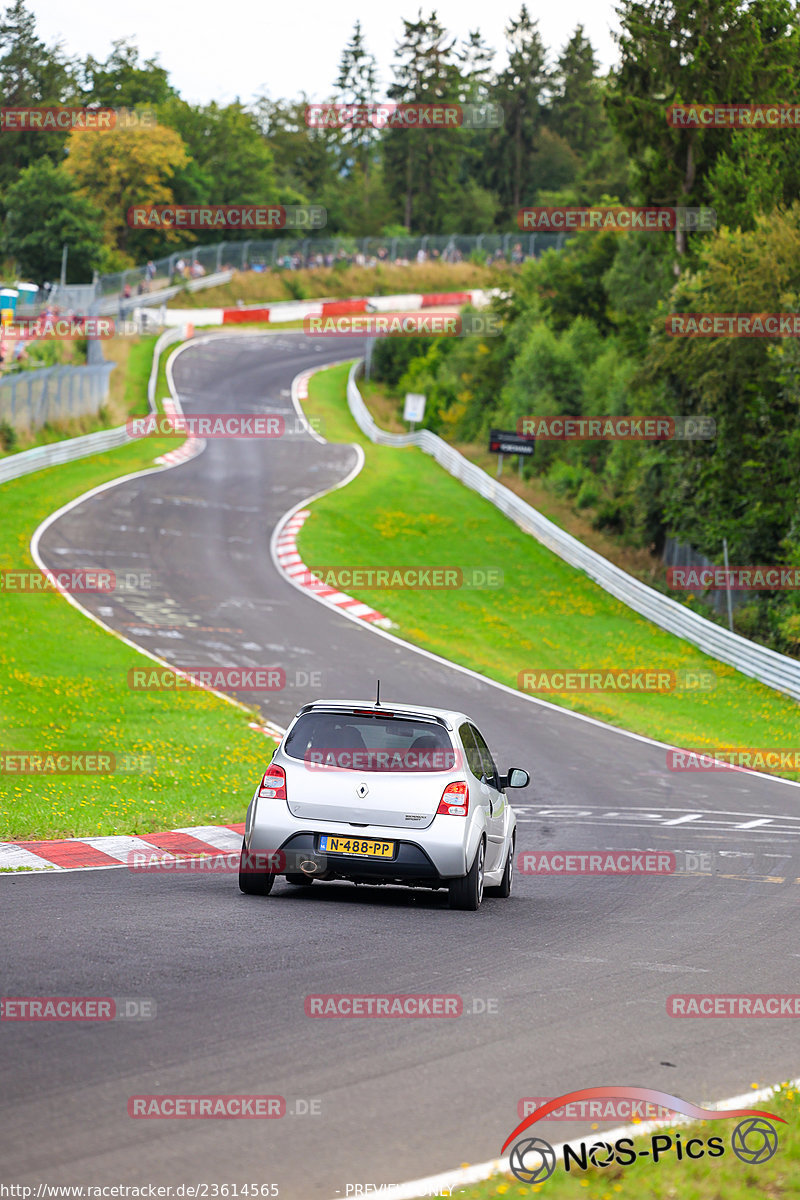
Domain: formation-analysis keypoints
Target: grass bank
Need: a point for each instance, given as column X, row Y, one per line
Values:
column 404, row 510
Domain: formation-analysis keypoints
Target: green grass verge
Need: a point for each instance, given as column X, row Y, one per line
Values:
column 63, row 687
column 405, row 510
column 721, row 1178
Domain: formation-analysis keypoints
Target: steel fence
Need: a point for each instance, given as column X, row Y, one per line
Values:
column 775, row 670
column 40, row 457
column 196, row 262
column 682, row 554
column 30, row 399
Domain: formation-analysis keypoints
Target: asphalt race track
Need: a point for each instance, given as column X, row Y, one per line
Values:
column 570, row 975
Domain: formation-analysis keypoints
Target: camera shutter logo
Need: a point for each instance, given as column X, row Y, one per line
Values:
column 754, row 1140
column 542, row 1166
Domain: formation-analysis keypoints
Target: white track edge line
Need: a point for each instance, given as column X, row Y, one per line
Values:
column 111, row 483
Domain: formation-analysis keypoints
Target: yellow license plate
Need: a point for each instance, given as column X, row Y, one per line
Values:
column 362, row 847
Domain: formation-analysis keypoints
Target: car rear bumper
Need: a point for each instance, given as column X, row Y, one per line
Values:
column 439, row 853
column 410, row 864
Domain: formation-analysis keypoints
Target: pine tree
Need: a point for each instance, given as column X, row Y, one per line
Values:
column 357, row 85
column 520, row 91
column 576, row 105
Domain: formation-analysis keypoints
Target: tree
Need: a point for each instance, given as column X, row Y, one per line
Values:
column 757, row 173
column 227, row 143
column 356, row 84
column 119, row 168
column 519, row 90
column 709, row 51
column 30, row 75
column 45, row 212
column 576, row 111
column 422, row 165
column 742, row 484
column 303, row 158
column 123, row 82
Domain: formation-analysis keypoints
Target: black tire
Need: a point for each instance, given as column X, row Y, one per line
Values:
column 254, row 883
column 299, row 879
column 503, row 889
column 467, row 892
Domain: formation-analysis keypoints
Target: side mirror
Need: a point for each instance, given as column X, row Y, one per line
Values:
column 516, row 778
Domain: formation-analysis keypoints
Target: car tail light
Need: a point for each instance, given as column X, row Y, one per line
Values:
column 273, row 784
column 454, row 801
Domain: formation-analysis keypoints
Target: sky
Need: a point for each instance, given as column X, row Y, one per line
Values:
column 220, row 52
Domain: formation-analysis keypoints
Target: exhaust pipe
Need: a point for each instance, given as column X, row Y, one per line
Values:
column 309, row 867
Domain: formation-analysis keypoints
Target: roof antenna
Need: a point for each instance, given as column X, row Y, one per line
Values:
column 378, row 698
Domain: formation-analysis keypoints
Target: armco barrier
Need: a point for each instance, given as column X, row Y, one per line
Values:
column 112, row 304
column 40, row 457
column 775, row 670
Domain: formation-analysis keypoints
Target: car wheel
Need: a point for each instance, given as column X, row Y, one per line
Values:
column 467, row 892
column 254, row 883
column 503, row 889
column 299, row 879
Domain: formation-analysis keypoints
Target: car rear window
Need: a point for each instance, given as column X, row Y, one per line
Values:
column 359, row 742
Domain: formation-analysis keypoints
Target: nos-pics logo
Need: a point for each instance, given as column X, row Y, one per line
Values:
column 532, row 1159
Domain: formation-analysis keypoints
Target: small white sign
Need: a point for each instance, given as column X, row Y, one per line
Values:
column 414, row 407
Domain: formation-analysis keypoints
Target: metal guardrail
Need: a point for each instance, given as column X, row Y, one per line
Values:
column 775, row 670
column 114, row 304
column 41, row 457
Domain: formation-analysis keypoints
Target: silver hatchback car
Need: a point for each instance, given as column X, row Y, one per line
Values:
column 391, row 793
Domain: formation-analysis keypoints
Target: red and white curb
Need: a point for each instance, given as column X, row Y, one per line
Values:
column 299, row 310
column 188, row 449
column 93, row 853
column 292, row 566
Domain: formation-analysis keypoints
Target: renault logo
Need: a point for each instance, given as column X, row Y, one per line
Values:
column 362, row 790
